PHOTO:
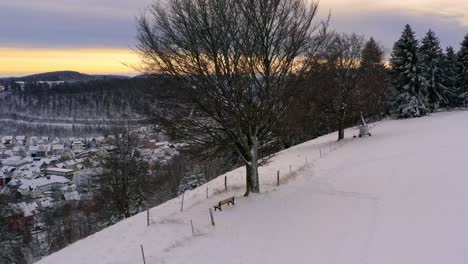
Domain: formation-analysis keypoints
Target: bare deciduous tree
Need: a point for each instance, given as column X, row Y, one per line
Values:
column 338, row 74
column 125, row 177
column 239, row 61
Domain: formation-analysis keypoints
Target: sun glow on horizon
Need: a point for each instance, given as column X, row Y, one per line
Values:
column 20, row 62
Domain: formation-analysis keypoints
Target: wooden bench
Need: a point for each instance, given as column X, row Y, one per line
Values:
column 223, row 202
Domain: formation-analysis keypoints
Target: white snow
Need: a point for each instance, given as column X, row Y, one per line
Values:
column 399, row 196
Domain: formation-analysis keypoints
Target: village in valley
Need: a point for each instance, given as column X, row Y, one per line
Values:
column 40, row 173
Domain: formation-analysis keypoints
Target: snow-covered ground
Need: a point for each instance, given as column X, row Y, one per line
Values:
column 400, row 196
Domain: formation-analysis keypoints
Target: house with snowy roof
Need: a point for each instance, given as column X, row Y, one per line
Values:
column 7, row 141
column 7, row 170
column 43, row 150
column 5, row 175
column 27, row 173
column 58, row 149
column 36, row 187
column 78, row 145
column 23, row 213
column 70, row 193
column 19, row 151
column 16, row 161
column 68, row 173
column 33, row 141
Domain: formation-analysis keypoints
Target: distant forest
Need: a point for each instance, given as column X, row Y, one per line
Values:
column 78, row 107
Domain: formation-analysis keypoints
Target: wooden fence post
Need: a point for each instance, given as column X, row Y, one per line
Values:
column 143, row 254
column 147, row 217
column 277, row 178
column 182, row 205
column 191, row 224
column 225, row 183
column 212, row 218
column 206, row 191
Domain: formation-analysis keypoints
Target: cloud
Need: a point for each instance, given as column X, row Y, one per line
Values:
column 82, row 8
column 69, row 23
column 457, row 9
column 385, row 20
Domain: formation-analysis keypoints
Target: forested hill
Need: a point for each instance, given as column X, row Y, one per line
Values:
column 67, row 76
column 91, row 104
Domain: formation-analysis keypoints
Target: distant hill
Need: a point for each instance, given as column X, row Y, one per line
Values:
column 66, row 76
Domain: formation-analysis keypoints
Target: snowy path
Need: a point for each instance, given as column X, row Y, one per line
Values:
column 400, row 196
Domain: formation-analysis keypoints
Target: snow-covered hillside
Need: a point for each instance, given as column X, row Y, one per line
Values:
column 400, row 196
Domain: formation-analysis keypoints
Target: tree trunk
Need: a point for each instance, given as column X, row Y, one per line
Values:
column 248, row 173
column 341, row 123
column 252, row 180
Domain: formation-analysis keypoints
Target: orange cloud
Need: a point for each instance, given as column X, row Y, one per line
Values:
column 17, row 62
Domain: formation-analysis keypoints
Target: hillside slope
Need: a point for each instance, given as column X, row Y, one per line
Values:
column 399, row 196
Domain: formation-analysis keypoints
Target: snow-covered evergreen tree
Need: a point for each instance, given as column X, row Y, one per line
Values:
column 431, row 61
column 450, row 76
column 410, row 87
column 462, row 71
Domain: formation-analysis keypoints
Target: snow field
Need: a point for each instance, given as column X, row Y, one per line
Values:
column 396, row 197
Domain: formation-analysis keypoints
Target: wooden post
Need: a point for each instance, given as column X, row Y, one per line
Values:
column 212, row 218
column 147, row 218
column 206, row 191
column 225, row 183
column 277, row 178
column 143, row 254
column 191, row 224
column 182, row 205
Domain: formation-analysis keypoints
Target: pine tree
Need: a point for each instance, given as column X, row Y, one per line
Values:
column 373, row 87
column 450, row 76
column 462, row 71
column 410, row 87
column 431, row 60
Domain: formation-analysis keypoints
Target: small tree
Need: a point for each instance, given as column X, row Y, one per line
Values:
column 410, row 86
column 431, row 60
column 125, row 180
column 239, row 62
column 173, row 173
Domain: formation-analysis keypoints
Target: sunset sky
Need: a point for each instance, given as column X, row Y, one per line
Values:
column 96, row 36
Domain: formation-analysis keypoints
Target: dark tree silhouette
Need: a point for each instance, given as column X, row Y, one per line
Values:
column 238, row 61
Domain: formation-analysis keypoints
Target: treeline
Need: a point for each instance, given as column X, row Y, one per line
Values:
column 350, row 76
column 424, row 77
